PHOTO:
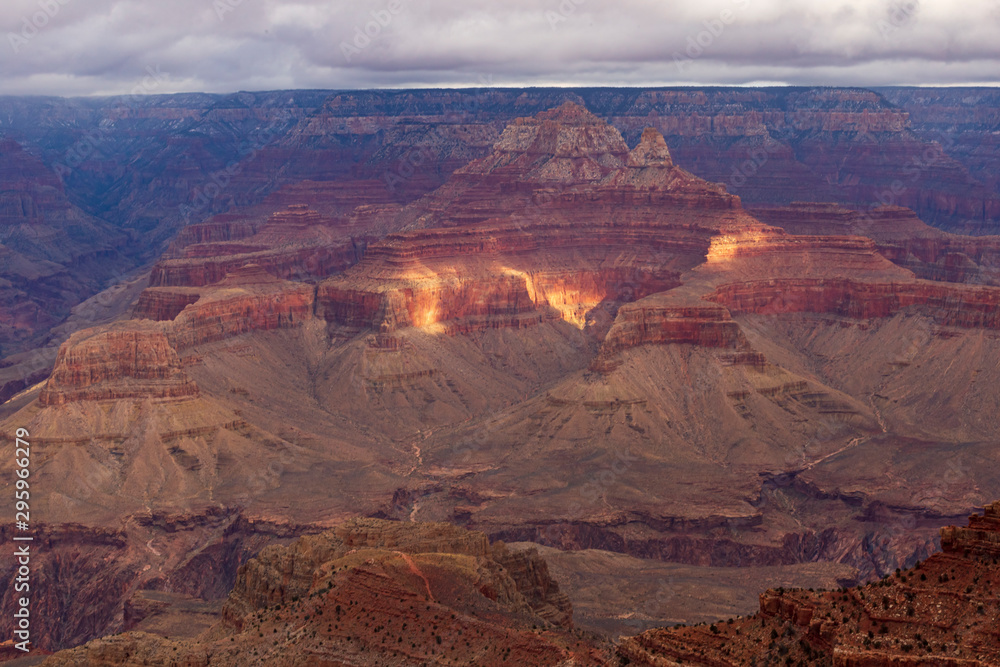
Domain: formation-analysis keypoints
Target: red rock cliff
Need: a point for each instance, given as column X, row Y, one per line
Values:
column 133, row 362
column 940, row 612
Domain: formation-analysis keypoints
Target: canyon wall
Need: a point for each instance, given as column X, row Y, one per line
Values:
column 942, row 612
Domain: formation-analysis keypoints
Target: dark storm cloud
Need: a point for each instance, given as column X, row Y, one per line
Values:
column 112, row 46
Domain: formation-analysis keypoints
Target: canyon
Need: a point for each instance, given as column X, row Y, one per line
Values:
column 561, row 336
column 143, row 168
column 941, row 611
column 431, row 592
column 449, row 596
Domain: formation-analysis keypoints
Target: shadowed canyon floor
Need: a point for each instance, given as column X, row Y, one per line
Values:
column 570, row 342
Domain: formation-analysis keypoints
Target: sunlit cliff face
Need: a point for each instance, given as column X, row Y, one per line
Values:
column 572, row 299
column 434, row 298
column 426, row 316
column 726, row 247
column 722, row 249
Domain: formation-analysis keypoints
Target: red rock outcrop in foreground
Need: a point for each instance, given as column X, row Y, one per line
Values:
column 944, row 611
column 372, row 592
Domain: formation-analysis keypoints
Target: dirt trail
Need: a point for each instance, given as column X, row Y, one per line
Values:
column 416, row 570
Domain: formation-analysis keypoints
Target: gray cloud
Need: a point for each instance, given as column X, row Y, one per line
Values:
column 81, row 47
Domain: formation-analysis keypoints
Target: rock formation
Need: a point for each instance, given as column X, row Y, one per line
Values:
column 943, row 611
column 899, row 236
column 196, row 156
column 372, row 591
column 686, row 382
column 296, row 243
column 557, row 178
column 116, row 364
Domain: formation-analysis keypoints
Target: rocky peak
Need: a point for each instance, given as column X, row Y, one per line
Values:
column 652, row 151
column 569, row 113
column 568, row 131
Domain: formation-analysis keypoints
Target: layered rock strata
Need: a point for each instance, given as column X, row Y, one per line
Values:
column 137, row 362
column 371, row 591
column 899, row 236
column 296, row 243
column 943, row 611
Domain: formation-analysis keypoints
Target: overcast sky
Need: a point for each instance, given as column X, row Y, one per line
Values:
column 87, row 47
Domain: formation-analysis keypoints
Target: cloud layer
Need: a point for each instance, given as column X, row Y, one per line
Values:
column 85, row 47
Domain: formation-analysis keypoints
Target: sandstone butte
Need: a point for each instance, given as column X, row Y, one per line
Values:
column 570, row 342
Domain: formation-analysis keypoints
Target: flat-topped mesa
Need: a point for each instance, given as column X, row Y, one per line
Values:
column 294, row 261
column 948, row 305
column 166, row 303
column 139, row 358
column 295, row 243
column 900, row 236
column 138, row 362
column 658, row 320
column 230, row 310
column 981, row 538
